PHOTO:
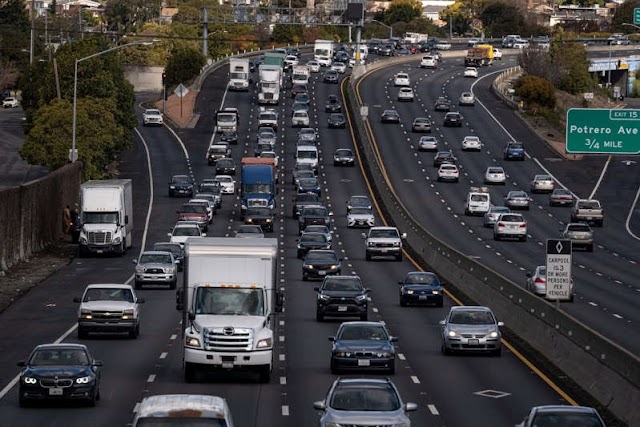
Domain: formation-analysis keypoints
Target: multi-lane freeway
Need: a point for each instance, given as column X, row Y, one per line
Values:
column 451, row 391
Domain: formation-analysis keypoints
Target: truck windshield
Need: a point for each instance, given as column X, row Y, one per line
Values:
column 229, row 301
column 173, row 420
column 100, row 218
column 269, row 85
column 321, row 52
column 226, row 118
column 239, row 76
column 258, row 188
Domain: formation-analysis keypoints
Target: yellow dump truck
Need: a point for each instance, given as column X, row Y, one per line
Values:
column 480, row 55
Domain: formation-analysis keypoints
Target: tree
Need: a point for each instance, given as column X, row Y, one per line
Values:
column 536, row 92
column 402, row 11
column 624, row 14
column 184, row 64
column 569, row 59
column 98, row 135
column 500, row 18
column 287, row 34
column 15, row 27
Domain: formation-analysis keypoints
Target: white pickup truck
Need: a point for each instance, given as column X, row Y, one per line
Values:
column 588, row 210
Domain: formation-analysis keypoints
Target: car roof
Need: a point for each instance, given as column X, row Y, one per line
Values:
column 155, row 253
column 470, row 308
column 565, row 408
column 61, row 345
column 187, row 224
column 111, row 285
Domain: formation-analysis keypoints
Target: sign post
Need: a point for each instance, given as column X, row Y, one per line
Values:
column 558, row 269
column 182, row 91
column 603, row 131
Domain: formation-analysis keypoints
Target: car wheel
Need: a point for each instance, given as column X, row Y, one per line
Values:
column 590, row 248
column 403, row 303
column 399, row 257
column 91, row 401
column 467, row 213
column 523, row 238
column 23, row 402
column 496, row 237
column 497, row 352
column 445, row 350
column 304, row 278
column 173, row 284
column 135, row 332
column 264, row 374
column 440, row 304
column 319, row 316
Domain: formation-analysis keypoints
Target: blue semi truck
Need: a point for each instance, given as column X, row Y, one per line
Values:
column 258, row 187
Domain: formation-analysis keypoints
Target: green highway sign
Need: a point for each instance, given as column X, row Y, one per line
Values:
column 603, row 131
column 636, row 16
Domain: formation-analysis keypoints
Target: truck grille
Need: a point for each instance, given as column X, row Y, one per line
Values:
column 228, row 339
column 154, row 270
column 268, row 96
column 254, row 203
column 106, row 315
column 57, row 382
column 384, row 245
column 99, row 237
column 342, row 301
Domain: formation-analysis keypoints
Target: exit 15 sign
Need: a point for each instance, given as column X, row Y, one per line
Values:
column 603, row 131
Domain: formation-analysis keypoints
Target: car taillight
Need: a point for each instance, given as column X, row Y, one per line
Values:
column 523, row 225
column 539, row 280
column 501, row 224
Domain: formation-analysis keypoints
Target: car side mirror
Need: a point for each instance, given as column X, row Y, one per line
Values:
column 169, row 234
column 319, row 405
column 403, row 236
column 410, row 407
column 393, row 339
column 332, row 339
column 330, row 213
column 140, row 300
column 191, row 315
column 528, row 274
column 204, row 234
column 442, row 323
column 364, row 236
column 98, row 363
column 500, row 323
column 22, row 363
column 317, row 289
column 400, row 282
column 77, row 299
column 135, row 261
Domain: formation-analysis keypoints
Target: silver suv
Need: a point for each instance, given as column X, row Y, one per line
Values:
column 383, row 241
column 156, row 267
column 364, row 401
column 580, row 234
column 109, row 308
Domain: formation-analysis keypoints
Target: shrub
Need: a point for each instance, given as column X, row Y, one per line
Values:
column 536, row 92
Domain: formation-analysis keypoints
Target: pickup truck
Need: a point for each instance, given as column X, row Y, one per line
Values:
column 588, row 210
column 383, row 241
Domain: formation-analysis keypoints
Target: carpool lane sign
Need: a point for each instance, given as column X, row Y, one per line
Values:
column 603, row 131
column 558, row 269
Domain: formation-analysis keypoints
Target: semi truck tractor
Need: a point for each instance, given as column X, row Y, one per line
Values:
column 229, row 299
column 106, row 214
column 258, row 187
column 270, row 84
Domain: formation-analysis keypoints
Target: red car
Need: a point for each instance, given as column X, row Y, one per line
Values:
column 414, row 48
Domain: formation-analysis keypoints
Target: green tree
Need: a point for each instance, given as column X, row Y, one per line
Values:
column 402, row 11
column 184, row 64
column 288, row 34
column 98, row 135
column 15, row 27
column 126, row 16
column 500, row 18
column 536, row 92
column 570, row 65
column 624, row 14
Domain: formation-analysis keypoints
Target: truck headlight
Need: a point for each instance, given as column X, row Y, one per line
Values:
column 170, row 270
column 192, row 342
column 117, row 240
column 396, row 244
column 127, row 314
column 82, row 240
column 139, row 269
column 85, row 313
column 265, row 343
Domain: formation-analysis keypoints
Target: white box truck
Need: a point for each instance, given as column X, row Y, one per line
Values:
column 106, row 215
column 323, row 52
column 270, row 84
column 239, row 74
column 300, row 74
column 228, row 300
column 227, row 120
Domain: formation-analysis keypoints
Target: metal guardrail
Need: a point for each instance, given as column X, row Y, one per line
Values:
column 610, row 373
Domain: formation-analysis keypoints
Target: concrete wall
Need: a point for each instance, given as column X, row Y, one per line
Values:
column 608, row 372
column 32, row 213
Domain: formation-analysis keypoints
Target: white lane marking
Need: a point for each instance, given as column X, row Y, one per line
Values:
column 401, row 356
column 281, row 357
column 593, row 303
column 283, row 380
column 163, row 355
column 633, row 206
column 173, row 337
column 285, row 410
column 617, row 316
column 604, row 170
column 433, row 410
column 151, row 378
column 415, row 379
column 281, row 338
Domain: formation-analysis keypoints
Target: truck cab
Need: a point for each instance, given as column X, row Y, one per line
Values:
column 227, row 120
column 258, row 188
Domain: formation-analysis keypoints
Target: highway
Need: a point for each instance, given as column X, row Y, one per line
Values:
column 605, row 285
column 493, row 391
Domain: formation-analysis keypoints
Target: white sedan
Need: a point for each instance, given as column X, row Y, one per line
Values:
column 10, row 102
column 405, row 94
column 428, row 143
column 497, row 54
column 402, row 79
column 471, row 72
column 360, row 217
column 467, row 98
column 495, row 175
column 340, row 67
column 314, row 66
column 152, row 116
column 448, row 172
column 471, row 143
column 227, row 184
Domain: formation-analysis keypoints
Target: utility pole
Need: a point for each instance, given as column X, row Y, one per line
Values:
column 205, row 33
column 33, row 30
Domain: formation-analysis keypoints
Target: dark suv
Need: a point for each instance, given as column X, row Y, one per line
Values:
column 313, row 215
column 342, row 296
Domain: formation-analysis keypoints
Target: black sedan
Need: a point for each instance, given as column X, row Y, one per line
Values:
column 60, row 372
column 320, row 263
column 229, row 136
column 331, row 76
column 363, row 346
column 442, row 157
column 333, row 104
column 264, row 217
column 303, row 98
column 443, row 104
column 390, row 116
column 344, row 156
column 421, row 288
column 453, row 119
column 226, row 166
column 336, row 120
column 310, row 241
column 181, row 185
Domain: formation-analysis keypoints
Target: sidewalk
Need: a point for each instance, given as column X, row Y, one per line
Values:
column 182, row 116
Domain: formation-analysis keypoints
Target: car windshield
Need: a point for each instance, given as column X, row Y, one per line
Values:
column 229, row 301
column 153, row 112
column 186, row 231
column 469, row 317
column 225, row 179
column 181, row 180
column 561, row 192
column 342, row 284
column 387, row 234
column 542, row 178
column 313, row 238
column 422, row 279
column 566, row 420
column 364, row 398
column 155, row 259
column 108, row 294
column 226, row 163
column 314, row 211
column 58, row 357
column 578, row 227
column 255, row 229
column 499, row 209
column 344, row 153
column 362, row 332
column 361, row 211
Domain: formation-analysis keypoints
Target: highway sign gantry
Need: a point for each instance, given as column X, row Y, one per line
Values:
column 603, row 131
column 558, row 281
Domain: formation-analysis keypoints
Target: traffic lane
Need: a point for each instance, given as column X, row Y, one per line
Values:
column 513, row 263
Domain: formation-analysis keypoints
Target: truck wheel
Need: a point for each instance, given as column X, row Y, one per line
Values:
column 173, row 284
column 189, row 373
column 82, row 333
column 368, row 256
column 590, row 248
column 137, row 285
column 599, row 223
column 264, row 374
column 133, row 334
column 399, row 257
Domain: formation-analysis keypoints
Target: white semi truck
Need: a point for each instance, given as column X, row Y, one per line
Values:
column 270, row 84
column 106, row 214
column 300, row 74
column 323, row 52
column 228, row 300
column 239, row 74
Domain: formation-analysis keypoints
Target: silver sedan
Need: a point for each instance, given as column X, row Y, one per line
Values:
column 542, row 184
column 493, row 214
column 517, row 200
column 471, row 329
column 428, row 143
column 495, row 175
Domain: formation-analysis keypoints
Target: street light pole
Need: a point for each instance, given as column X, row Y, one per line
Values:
column 73, row 155
column 385, row 25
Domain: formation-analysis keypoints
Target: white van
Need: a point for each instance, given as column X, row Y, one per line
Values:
column 307, row 154
column 183, row 409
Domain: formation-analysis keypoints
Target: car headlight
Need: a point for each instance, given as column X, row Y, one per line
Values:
column 324, row 297
column 409, row 291
column 29, row 380
column 268, row 219
column 334, row 267
column 139, row 269
column 371, row 244
column 434, row 292
column 264, row 343
column 172, row 187
column 84, row 380
column 385, row 354
column 309, row 266
column 493, row 334
column 192, row 342
column 361, row 297
column 249, row 220
column 452, row 333
column 127, row 314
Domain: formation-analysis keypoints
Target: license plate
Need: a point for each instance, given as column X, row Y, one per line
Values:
column 342, row 308
column 364, row 362
column 227, row 365
column 384, row 251
column 55, row 392
column 422, row 297
column 99, row 251
column 322, row 273
column 473, row 342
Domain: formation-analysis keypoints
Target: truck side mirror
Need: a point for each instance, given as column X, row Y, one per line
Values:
column 126, row 219
column 140, row 300
column 192, row 316
column 179, row 300
column 279, row 301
